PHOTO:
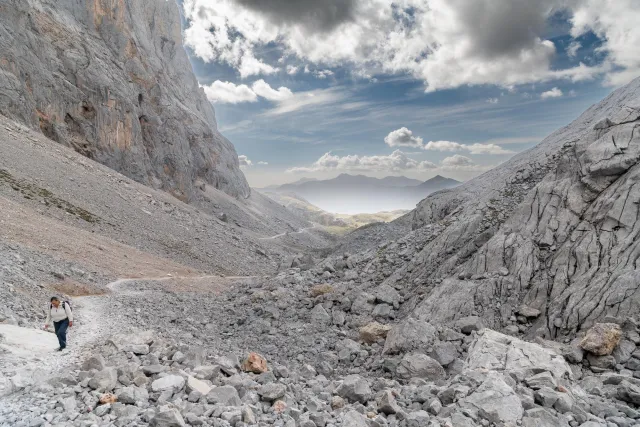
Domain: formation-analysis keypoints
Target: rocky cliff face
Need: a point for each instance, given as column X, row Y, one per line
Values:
column 557, row 233
column 551, row 233
column 111, row 79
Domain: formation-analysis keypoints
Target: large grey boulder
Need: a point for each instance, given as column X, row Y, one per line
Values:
column 355, row 389
column 498, row 352
column 115, row 84
column 168, row 418
column 354, row 419
column 420, row 366
column 495, row 401
column 104, row 380
column 170, row 382
column 133, row 395
column 409, row 335
column 225, row 395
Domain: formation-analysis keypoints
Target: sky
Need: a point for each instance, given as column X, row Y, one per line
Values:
column 309, row 88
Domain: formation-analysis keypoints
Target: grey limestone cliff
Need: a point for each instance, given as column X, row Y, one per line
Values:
column 111, row 79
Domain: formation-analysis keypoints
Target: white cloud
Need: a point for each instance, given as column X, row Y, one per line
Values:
column 572, row 49
column 493, row 100
column 244, row 161
column 261, row 163
column 263, row 89
column 477, row 148
column 229, row 93
column 553, row 93
column 403, row 137
column 394, row 162
column 323, row 74
column 308, row 99
column 457, row 161
column 445, row 43
column 291, row 69
column 616, row 23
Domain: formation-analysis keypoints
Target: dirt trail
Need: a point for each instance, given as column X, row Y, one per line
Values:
column 38, row 360
column 287, row 233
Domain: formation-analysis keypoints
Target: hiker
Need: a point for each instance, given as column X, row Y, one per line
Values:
column 62, row 317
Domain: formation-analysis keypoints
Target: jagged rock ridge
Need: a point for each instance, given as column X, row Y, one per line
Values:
column 553, row 229
column 112, row 80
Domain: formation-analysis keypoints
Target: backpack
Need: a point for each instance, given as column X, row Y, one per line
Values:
column 63, row 303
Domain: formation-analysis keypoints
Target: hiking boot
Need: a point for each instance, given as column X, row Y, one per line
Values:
column 59, row 348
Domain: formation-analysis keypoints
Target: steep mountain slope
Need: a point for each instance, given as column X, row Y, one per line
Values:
column 554, row 228
column 111, row 80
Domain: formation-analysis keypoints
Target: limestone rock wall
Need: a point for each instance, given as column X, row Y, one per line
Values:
column 555, row 228
column 111, row 79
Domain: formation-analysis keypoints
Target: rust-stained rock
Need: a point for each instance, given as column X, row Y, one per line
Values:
column 108, row 398
column 374, row 332
column 255, row 363
column 602, row 339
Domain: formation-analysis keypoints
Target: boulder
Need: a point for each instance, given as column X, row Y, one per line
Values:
column 255, row 363
column 104, row 380
column 410, row 335
column 354, row 419
column 495, row 401
column 194, row 384
column 225, row 395
column 419, row 365
column 628, row 392
column 444, row 352
column 374, row 332
column 170, row 382
column 319, row 316
column 168, row 418
column 602, row 339
column 272, row 391
column 387, row 403
column 133, row 395
column 94, row 362
column 417, row 419
column 528, row 312
column 469, row 324
column 355, row 389
column 543, row 379
column 498, row 352
column 387, row 295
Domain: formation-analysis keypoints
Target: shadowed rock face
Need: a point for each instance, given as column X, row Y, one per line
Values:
column 554, row 228
column 111, row 79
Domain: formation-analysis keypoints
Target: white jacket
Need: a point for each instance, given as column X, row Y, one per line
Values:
column 58, row 314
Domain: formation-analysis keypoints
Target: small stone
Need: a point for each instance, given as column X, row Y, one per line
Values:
column 374, row 332
column 469, row 324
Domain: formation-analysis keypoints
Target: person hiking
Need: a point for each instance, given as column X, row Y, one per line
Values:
column 62, row 316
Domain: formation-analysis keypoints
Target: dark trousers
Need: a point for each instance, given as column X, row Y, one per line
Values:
column 61, row 331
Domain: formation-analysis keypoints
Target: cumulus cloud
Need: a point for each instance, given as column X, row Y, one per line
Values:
column 395, row 162
column 457, row 161
column 403, row 137
column 291, row 69
column 263, row 89
column 477, row 148
column 229, row 93
column 553, row 93
column 244, row 161
column 615, row 22
column 445, row 43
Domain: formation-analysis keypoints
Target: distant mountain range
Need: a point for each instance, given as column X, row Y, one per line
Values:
column 351, row 194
